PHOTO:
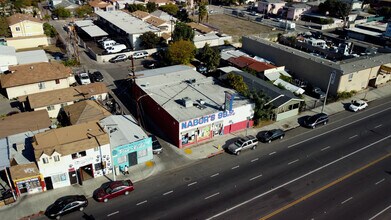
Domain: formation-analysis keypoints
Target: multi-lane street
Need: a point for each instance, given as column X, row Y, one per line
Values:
column 259, row 182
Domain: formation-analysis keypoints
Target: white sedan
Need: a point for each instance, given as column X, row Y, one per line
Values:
column 357, row 105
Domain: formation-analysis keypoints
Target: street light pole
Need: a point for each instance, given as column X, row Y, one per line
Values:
column 331, row 79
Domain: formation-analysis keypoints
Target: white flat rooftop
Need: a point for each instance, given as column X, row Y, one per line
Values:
column 32, row 56
column 362, row 31
column 94, row 31
column 84, row 23
column 126, row 22
column 177, row 82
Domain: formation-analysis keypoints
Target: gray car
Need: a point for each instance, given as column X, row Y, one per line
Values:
column 318, row 119
column 248, row 142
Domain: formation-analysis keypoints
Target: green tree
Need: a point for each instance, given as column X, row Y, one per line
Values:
column 136, row 7
column 151, row 7
column 182, row 31
column 183, row 16
column 181, row 52
column 149, row 40
column 83, row 10
column 4, row 30
column 49, row 30
column 335, row 8
column 210, row 56
column 202, row 12
column 62, row 12
column 262, row 110
column 237, row 83
column 170, row 9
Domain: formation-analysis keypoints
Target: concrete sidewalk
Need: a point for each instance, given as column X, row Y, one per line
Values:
column 27, row 205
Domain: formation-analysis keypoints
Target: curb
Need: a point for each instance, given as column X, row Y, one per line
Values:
column 214, row 154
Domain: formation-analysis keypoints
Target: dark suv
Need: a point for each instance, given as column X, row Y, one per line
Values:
column 313, row 121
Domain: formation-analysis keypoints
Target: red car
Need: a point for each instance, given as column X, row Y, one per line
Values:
column 113, row 189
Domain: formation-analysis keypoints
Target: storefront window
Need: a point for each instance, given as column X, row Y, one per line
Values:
column 59, row 178
column 122, row 159
column 188, row 138
column 218, row 129
column 204, row 133
column 142, row 153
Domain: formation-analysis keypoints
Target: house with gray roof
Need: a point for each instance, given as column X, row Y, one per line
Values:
column 285, row 103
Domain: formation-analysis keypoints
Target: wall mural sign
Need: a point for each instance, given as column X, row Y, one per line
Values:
column 206, row 119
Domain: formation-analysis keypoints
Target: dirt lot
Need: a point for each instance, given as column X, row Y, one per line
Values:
column 235, row 27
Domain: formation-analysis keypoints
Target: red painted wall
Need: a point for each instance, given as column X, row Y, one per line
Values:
column 237, row 126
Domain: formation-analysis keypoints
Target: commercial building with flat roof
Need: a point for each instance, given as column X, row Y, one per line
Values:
column 189, row 106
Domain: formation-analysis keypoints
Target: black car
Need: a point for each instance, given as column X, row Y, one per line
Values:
column 202, row 69
column 313, row 121
column 65, row 205
column 97, row 76
column 268, row 136
column 156, row 147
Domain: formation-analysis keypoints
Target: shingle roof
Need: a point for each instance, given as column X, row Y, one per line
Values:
column 261, row 66
column 155, row 21
column 70, row 94
column 22, row 171
column 85, row 111
column 34, row 73
column 69, row 140
column 199, row 27
column 98, row 4
column 140, row 14
column 241, row 61
column 16, row 18
column 23, row 122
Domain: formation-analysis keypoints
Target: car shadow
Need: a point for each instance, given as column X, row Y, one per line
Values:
column 227, row 143
column 346, row 105
column 260, row 134
column 88, row 217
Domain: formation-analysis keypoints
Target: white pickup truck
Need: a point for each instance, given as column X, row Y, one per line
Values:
column 248, row 142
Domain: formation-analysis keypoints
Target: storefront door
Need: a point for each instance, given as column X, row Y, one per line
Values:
column 49, row 183
column 132, row 158
column 73, row 177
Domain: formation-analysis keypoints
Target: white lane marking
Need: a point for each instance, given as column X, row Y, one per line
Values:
column 353, row 136
column 255, row 177
column 380, row 181
column 142, row 202
column 325, row 148
column 254, row 160
column 379, row 213
column 216, row 174
column 166, row 193
column 235, row 167
column 212, row 195
column 378, row 126
column 332, row 130
column 272, row 153
column 112, row 213
column 293, row 161
column 297, row 178
column 347, row 200
column 190, row 184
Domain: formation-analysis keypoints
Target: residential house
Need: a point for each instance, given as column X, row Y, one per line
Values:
column 73, row 154
column 25, row 25
column 285, row 103
column 165, row 25
column 270, row 6
column 9, row 57
column 53, row 101
column 83, row 111
column 16, row 131
column 99, row 5
column 142, row 15
column 206, row 35
column 294, row 11
column 34, row 78
column 130, row 145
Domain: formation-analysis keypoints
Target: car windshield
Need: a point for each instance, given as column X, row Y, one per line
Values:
column 239, row 142
column 84, row 76
column 312, row 119
column 268, row 134
column 356, row 104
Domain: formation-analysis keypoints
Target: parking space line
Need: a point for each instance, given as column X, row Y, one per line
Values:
column 212, row 195
column 254, row 160
column 325, row 148
column 142, row 202
column 112, row 213
column 166, row 193
column 235, row 167
column 380, row 181
column 190, row 184
column 293, row 161
column 216, row 174
column 379, row 213
column 378, row 126
column 255, row 177
column 272, row 153
column 353, row 136
column 347, row 200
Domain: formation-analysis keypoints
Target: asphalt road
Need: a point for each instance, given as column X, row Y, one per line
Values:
column 259, row 182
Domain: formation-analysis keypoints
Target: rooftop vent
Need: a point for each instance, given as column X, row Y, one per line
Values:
column 191, row 81
column 186, row 101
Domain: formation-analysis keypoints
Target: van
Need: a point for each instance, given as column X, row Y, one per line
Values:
column 108, row 43
column 116, row 48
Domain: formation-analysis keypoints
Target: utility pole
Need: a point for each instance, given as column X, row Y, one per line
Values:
column 331, row 81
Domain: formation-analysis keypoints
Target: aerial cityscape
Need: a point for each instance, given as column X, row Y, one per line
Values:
column 195, row 109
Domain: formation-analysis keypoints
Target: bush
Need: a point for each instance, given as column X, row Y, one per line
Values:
column 71, row 62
